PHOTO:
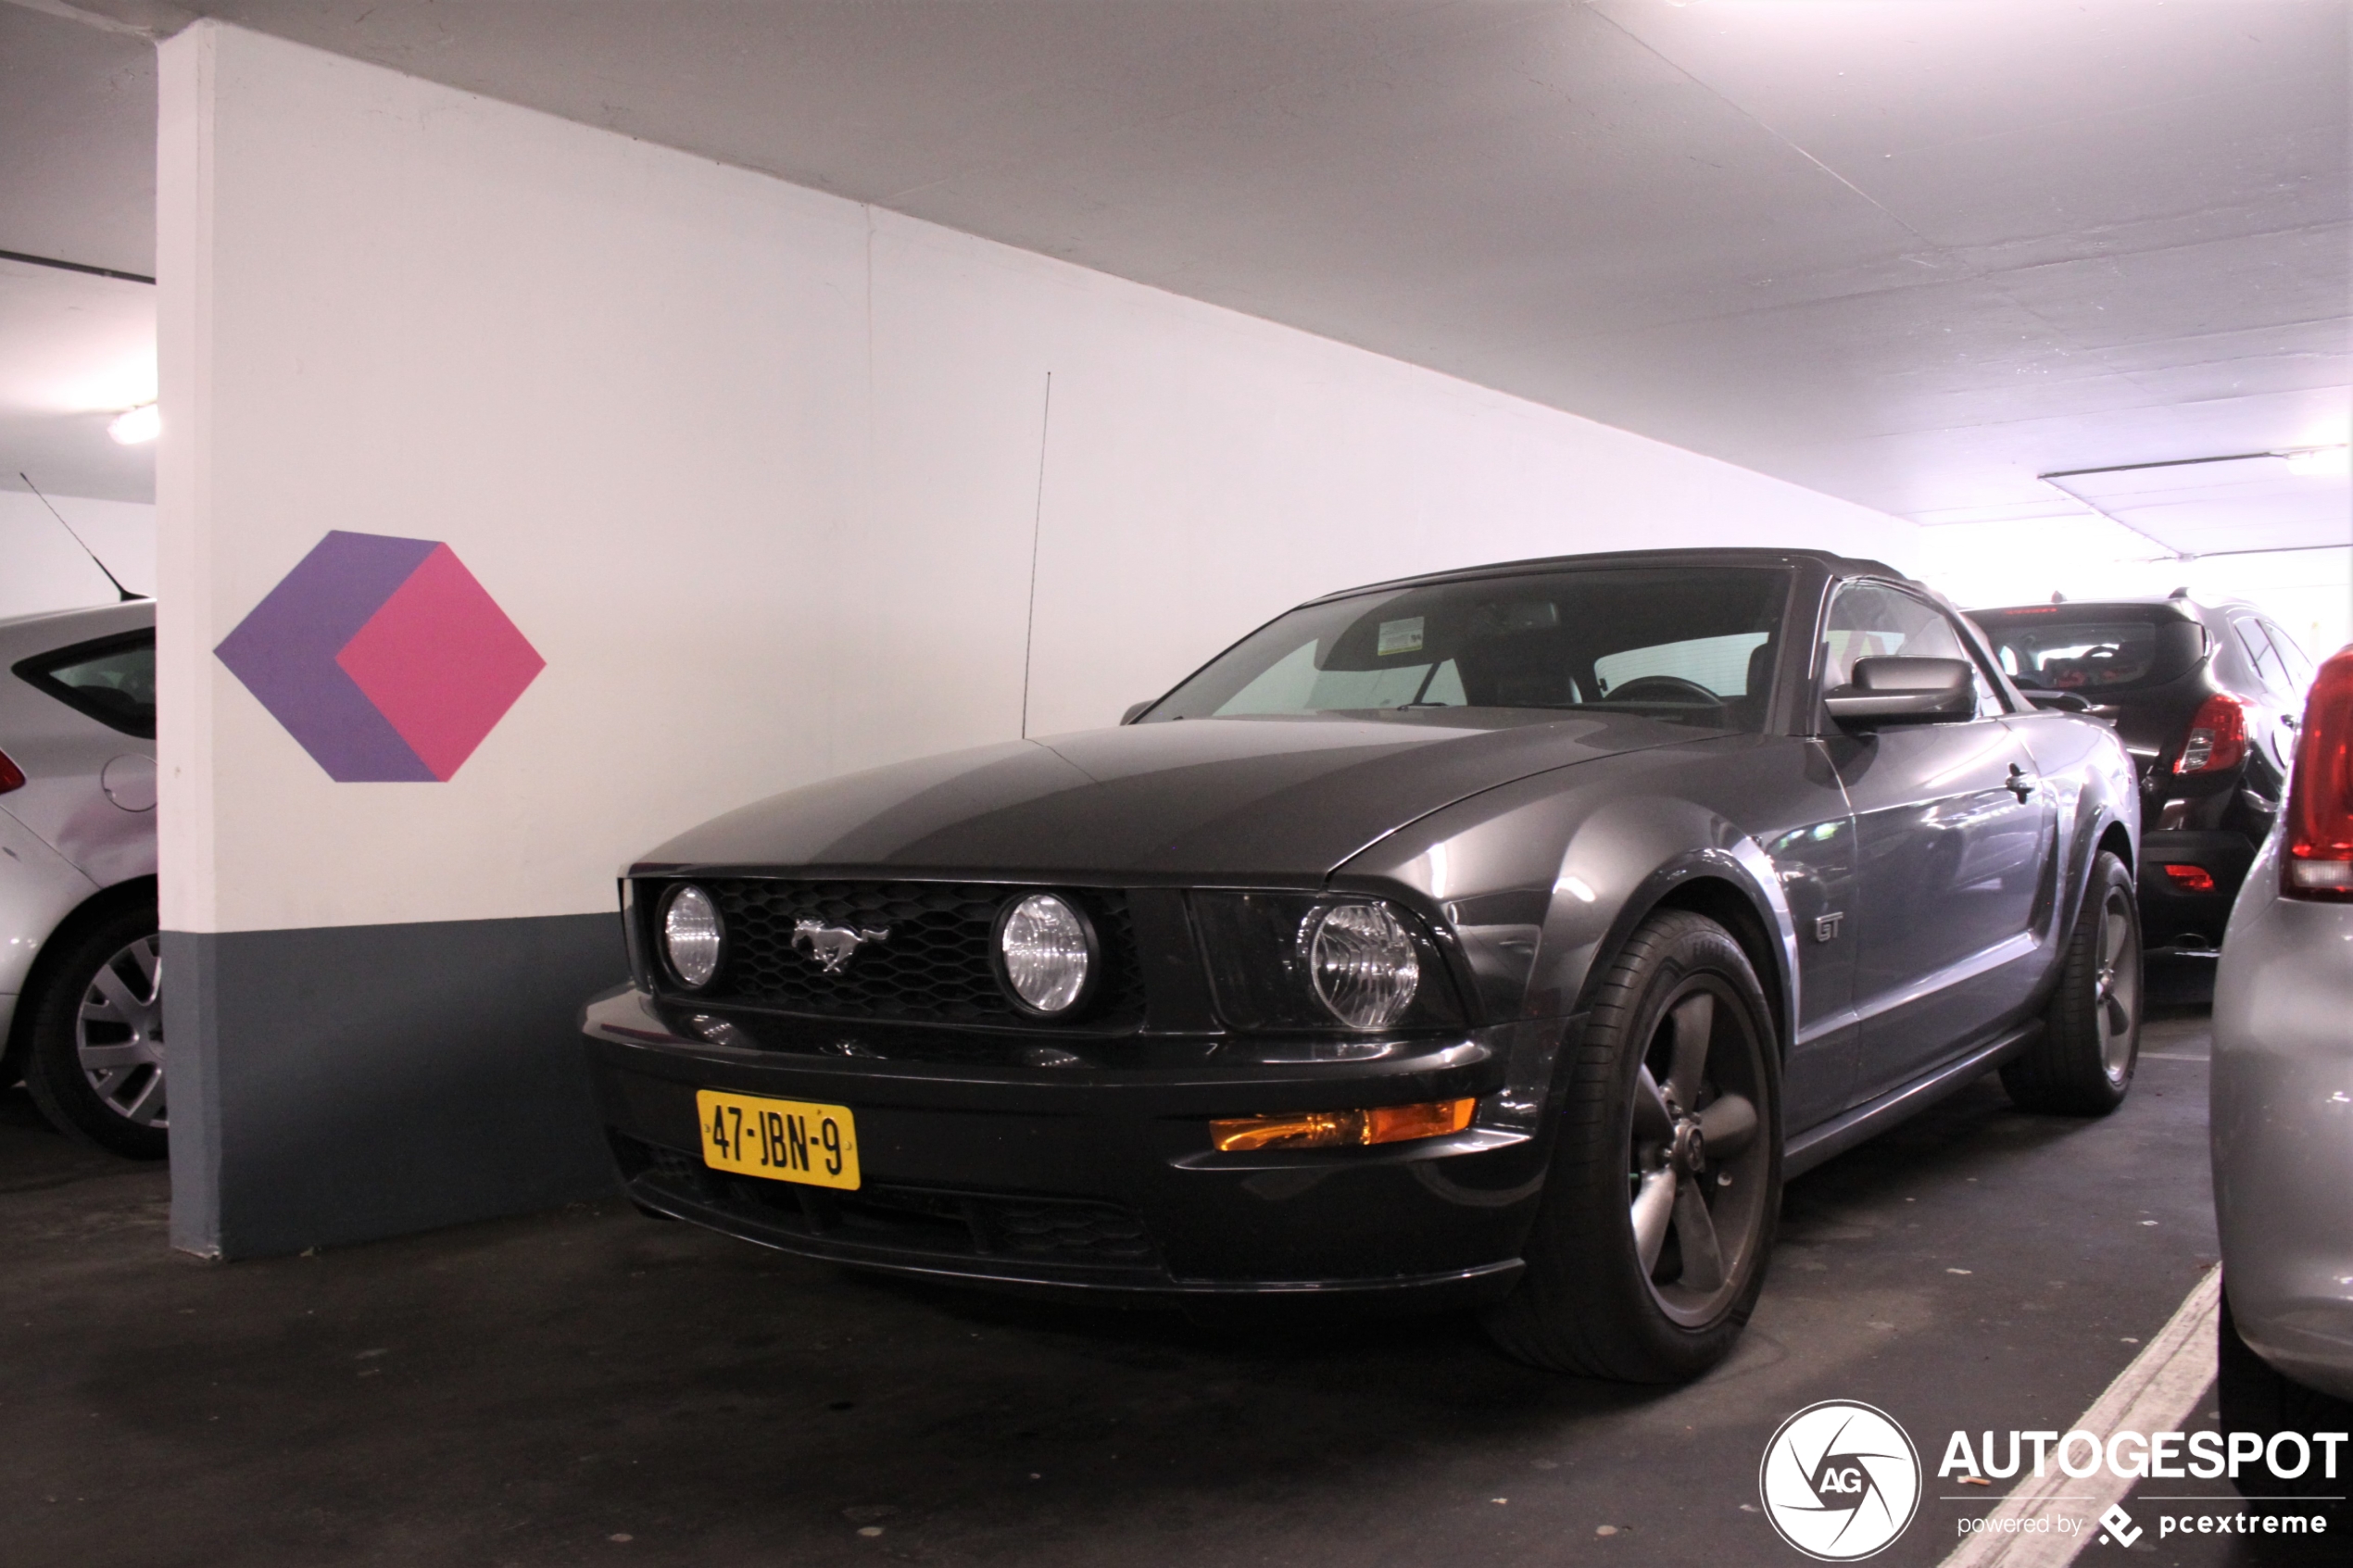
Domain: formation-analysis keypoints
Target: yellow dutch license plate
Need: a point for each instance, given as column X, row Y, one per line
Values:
column 780, row 1140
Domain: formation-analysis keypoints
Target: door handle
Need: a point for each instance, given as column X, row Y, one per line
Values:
column 2022, row 784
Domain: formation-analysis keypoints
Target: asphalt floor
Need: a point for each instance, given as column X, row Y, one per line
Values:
column 591, row 1386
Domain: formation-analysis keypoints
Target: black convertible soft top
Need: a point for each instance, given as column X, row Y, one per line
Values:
column 1837, row 565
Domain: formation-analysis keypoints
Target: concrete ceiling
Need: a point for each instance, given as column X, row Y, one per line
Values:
column 1915, row 252
column 77, row 183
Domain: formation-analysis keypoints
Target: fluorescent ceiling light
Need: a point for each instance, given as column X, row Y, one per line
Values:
column 2320, row 461
column 136, row 425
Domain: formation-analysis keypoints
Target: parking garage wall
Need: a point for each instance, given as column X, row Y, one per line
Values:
column 771, row 484
column 50, row 569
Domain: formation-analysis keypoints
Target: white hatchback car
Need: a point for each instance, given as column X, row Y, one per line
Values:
column 81, row 1010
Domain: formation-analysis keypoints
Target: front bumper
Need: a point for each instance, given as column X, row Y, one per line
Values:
column 1089, row 1177
column 2171, row 915
column 2282, row 1119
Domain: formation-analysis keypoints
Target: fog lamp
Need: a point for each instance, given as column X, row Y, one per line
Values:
column 1342, row 1129
column 1048, row 950
column 2191, row 879
column 691, row 935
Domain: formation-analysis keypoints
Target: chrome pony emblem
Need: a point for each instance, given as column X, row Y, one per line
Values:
column 834, row 945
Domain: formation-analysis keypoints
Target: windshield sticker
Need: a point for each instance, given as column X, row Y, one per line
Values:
column 1401, row 636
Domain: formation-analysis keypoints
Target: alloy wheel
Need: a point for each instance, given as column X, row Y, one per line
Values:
column 2115, row 987
column 118, row 1034
column 1698, row 1156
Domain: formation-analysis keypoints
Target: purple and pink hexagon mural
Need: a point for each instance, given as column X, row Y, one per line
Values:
column 383, row 657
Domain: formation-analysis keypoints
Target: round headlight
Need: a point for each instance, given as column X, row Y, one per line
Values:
column 1363, row 961
column 1049, row 953
column 691, row 934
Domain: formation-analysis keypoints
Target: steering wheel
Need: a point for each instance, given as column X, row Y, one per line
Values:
column 1663, row 689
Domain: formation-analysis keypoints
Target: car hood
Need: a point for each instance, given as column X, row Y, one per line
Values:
column 1263, row 799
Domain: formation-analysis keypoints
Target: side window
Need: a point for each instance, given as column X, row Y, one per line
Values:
column 1870, row 620
column 2253, row 637
column 1989, row 700
column 2299, row 669
column 113, row 681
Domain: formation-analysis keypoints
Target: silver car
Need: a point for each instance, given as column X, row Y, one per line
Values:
column 80, row 1008
column 2282, row 1101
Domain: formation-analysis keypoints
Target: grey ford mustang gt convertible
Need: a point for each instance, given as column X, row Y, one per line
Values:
column 1505, row 936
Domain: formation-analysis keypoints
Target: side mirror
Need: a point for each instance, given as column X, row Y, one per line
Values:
column 1136, row 711
column 2056, row 702
column 1904, row 691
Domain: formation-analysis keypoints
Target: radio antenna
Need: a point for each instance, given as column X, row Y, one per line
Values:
column 128, row 597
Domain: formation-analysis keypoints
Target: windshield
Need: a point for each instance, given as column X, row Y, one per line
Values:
column 2042, row 652
column 1689, row 646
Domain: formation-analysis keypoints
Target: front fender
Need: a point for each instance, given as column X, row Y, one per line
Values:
column 1541, row 879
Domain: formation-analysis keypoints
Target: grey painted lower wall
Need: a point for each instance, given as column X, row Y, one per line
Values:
column 346, row 1083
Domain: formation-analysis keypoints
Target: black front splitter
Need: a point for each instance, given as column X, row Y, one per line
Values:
column 1461, row 1287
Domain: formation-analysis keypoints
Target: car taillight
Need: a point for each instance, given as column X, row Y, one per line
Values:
column 11, row 776
column 2317, row 861
column 2216, row 738
column 2191, row 879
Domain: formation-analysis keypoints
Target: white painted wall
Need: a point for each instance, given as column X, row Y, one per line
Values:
column 41, row 568
column 756, row 470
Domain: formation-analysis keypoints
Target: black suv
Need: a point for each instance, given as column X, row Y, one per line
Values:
column 2206, row 697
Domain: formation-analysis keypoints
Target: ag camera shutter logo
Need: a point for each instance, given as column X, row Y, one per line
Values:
column 1840, row 1481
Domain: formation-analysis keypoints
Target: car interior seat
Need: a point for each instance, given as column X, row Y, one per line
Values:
column 1529, row 667
column 1747, row 709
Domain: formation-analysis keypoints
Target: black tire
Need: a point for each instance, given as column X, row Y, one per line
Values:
column 2082, row 1063
column 107, row 972
column 1588, row 1304
column 2251, row 1396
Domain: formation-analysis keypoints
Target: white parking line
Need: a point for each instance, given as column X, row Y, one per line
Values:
column 2152, row 1395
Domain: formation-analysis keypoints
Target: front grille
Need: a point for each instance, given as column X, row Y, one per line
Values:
column 1062, row 1232
column 934, row 967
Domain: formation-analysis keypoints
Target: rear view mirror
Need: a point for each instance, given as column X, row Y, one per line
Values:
column 1135, row 712
column 1904, row 691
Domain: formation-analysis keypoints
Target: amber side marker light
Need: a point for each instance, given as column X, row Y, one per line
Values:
column 1342, row 1129
column 2316, row 860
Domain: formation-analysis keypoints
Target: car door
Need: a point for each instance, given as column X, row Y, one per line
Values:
column 1954, row 836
